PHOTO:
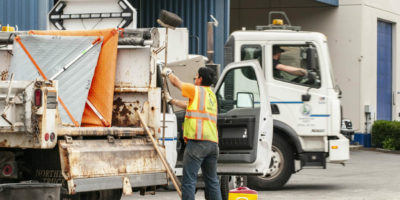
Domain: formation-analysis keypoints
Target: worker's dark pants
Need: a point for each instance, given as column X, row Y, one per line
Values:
column 202, row 154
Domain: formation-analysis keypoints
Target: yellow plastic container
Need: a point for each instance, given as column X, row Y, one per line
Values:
column 7, row 28
column 242, row 193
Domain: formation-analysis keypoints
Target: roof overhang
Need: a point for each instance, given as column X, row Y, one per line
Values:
column 329, row 2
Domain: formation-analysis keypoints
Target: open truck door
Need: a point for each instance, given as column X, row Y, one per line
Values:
column 244, row 120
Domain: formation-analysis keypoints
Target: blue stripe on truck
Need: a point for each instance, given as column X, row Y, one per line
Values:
column 319, row 115
column 168, row 139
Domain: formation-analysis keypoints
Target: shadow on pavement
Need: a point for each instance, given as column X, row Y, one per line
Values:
column 313, row 187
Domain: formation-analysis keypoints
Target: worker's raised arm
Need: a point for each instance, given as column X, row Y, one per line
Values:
column 167, row 72
column 175, row 81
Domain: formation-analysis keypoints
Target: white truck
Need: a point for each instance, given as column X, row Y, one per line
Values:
column 97, row 162
column 306, row 110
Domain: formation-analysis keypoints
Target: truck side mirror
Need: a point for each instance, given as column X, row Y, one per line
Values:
column 244, row 100
column 305, row 97
column 311, row 78
column 312, row 58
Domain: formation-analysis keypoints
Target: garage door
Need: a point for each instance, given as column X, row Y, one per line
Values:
column 384, row 84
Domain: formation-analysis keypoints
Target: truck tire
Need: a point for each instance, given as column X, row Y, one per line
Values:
column 231, row 182
column 102, row 195
column 281, row 167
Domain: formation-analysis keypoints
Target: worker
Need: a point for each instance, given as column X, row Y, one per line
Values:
column 278, row 66
column 199, row 132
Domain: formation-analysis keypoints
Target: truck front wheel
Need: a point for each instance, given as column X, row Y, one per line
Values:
column 281, row 167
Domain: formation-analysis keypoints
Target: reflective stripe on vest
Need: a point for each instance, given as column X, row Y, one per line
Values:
column 201, row 100
column 201, row 116
column 191, row 114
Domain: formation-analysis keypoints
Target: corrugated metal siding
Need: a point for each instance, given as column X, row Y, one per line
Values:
column 26, row 14
column 195, row 15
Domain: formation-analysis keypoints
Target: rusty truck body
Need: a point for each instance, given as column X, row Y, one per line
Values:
column 36, row 144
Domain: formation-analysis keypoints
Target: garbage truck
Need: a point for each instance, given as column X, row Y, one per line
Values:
column 305, row 108
column 80, row 100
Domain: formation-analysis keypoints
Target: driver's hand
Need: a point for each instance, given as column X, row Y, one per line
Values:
column 303, row 71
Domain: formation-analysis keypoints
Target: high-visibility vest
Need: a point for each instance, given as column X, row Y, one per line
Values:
column 201, row 116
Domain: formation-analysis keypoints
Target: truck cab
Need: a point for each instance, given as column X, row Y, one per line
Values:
column 305, row 108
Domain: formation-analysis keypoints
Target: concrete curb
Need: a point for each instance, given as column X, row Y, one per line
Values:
column 387, row 151
column 359, row 147
column 355, row 147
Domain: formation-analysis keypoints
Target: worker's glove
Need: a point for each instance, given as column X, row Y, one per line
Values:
column 167, row 96
column 166, row 71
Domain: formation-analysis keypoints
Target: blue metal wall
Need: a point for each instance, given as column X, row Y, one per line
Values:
column 329, row 2
column 26, row 14
column 195, row 15
column 384, row 84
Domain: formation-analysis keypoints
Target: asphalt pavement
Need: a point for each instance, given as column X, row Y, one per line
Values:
column 368, row 175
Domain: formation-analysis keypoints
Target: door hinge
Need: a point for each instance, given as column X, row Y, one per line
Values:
column 393, row 98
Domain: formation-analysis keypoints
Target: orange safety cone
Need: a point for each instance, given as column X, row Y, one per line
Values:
column 242, row 193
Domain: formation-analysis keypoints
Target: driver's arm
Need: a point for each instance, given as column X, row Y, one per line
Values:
column 291, row 70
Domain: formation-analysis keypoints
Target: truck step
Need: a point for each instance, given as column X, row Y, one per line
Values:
column 313, row 160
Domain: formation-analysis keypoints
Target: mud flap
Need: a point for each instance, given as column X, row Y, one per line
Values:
column 90, row 165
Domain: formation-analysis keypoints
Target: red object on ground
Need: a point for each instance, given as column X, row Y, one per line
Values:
column 243, row 190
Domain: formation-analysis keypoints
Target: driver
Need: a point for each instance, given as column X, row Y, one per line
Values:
column 278, row 66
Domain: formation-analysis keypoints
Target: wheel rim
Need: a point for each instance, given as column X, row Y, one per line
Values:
column 276, row 165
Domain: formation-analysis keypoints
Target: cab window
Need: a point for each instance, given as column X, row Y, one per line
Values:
column 238, row 90
column 250, row 52
column 296, row 64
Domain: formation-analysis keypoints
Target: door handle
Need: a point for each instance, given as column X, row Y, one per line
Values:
column 305, row 97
